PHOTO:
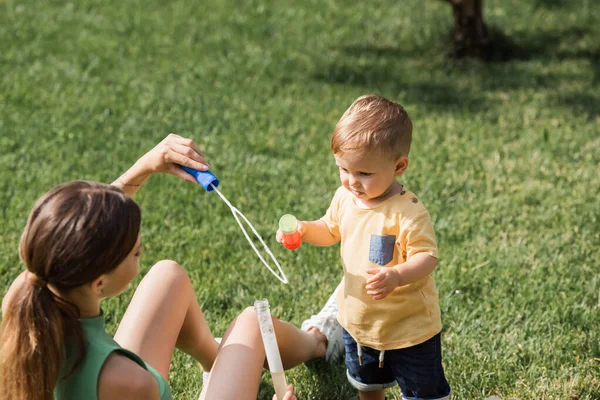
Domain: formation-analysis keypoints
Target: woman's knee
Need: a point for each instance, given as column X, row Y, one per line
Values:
column 248, row 313
column 248, row 318
column 169, row 272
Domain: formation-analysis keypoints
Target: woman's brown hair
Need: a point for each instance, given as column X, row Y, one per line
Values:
column 75, row 233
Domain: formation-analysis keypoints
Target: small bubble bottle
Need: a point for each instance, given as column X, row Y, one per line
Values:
column 291, row 237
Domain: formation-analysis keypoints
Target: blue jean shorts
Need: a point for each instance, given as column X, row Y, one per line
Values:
column 418, row 369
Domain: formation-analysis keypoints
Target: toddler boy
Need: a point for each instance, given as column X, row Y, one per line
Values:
column 388, row 302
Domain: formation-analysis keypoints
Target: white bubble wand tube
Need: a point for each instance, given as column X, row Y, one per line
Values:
column 210, row 182
column 271, row 349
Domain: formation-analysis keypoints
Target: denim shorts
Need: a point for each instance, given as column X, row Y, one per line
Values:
column 417, row 370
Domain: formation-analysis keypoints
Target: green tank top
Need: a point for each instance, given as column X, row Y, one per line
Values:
column 83, row 383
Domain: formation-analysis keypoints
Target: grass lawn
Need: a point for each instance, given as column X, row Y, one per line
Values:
column 505, row 156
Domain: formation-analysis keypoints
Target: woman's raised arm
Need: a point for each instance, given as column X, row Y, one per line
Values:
column 165, row 157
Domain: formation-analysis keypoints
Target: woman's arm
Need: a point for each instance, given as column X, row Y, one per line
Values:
column 165, row 157
column 122, row 378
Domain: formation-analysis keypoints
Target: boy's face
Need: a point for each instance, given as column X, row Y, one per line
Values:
column 369, row 175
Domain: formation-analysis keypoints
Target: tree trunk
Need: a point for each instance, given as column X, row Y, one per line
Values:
column 470, row 34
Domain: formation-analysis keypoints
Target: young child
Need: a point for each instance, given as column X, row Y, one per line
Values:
column 388, row 302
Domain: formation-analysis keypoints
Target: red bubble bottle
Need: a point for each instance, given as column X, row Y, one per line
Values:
column 291, row 237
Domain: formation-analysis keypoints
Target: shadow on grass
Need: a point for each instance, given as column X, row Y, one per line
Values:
column 468, row 82
column 552, row 4
column 378, row 75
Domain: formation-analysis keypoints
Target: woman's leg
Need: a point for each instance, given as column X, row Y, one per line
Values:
column 237, row 369
column 165, row 314
column 297, row 346
column 241, row 358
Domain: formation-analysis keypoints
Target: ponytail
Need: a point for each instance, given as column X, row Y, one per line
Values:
column 75, row 233
column 32, row 343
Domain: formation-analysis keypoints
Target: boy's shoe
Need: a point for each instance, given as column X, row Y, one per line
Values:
column 326, row 322
column 206, row 374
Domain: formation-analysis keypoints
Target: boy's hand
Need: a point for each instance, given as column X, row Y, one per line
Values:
column 301, row 229
column 383, row 281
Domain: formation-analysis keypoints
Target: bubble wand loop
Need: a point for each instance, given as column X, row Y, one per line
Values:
column 210, row 182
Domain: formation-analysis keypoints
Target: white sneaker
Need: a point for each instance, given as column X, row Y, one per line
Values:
column 206, row 374
column 326, row 322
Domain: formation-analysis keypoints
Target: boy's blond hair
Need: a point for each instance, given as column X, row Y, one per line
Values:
column 373, row 123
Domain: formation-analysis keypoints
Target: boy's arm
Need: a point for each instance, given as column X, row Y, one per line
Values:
column 317, row 233
column 415, row 268
column 314, row 232
column 322, row 232
column 384, row 280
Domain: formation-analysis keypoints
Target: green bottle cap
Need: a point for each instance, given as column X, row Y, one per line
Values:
column 288, row 223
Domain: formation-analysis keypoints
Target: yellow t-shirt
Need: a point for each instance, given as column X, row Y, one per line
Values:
column 384, row 236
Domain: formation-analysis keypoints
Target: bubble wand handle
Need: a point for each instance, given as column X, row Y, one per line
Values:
column 206, row 179
column 271, row 349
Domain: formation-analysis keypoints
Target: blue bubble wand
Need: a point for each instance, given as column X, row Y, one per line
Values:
column 210, row 182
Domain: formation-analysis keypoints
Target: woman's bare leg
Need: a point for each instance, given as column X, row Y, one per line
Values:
column 241, row 358
column 238, row 367
column 296, row 346
column 164, row 314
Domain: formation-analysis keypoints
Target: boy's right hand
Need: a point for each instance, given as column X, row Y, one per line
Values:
column 301, row 228
column 279, row 236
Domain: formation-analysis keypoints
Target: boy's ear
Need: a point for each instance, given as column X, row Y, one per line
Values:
column 401, row 165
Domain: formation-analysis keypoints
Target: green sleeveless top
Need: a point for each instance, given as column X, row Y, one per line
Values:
column 83, row 383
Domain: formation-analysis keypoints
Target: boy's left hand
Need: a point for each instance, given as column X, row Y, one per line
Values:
column 383, row 281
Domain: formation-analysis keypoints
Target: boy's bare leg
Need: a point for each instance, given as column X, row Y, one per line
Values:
column 374, row 395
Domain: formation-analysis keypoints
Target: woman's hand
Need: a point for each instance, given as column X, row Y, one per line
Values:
column 289, row 394
column 165, row 157
column 173, row 151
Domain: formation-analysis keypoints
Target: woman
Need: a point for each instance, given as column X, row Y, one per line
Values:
column 81, row 245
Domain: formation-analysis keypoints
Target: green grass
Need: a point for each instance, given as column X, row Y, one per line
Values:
column 505, row 155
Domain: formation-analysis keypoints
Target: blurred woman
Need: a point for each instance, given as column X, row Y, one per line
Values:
column 82, row 244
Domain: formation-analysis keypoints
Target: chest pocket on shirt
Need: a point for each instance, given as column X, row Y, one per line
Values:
column 381, row 249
